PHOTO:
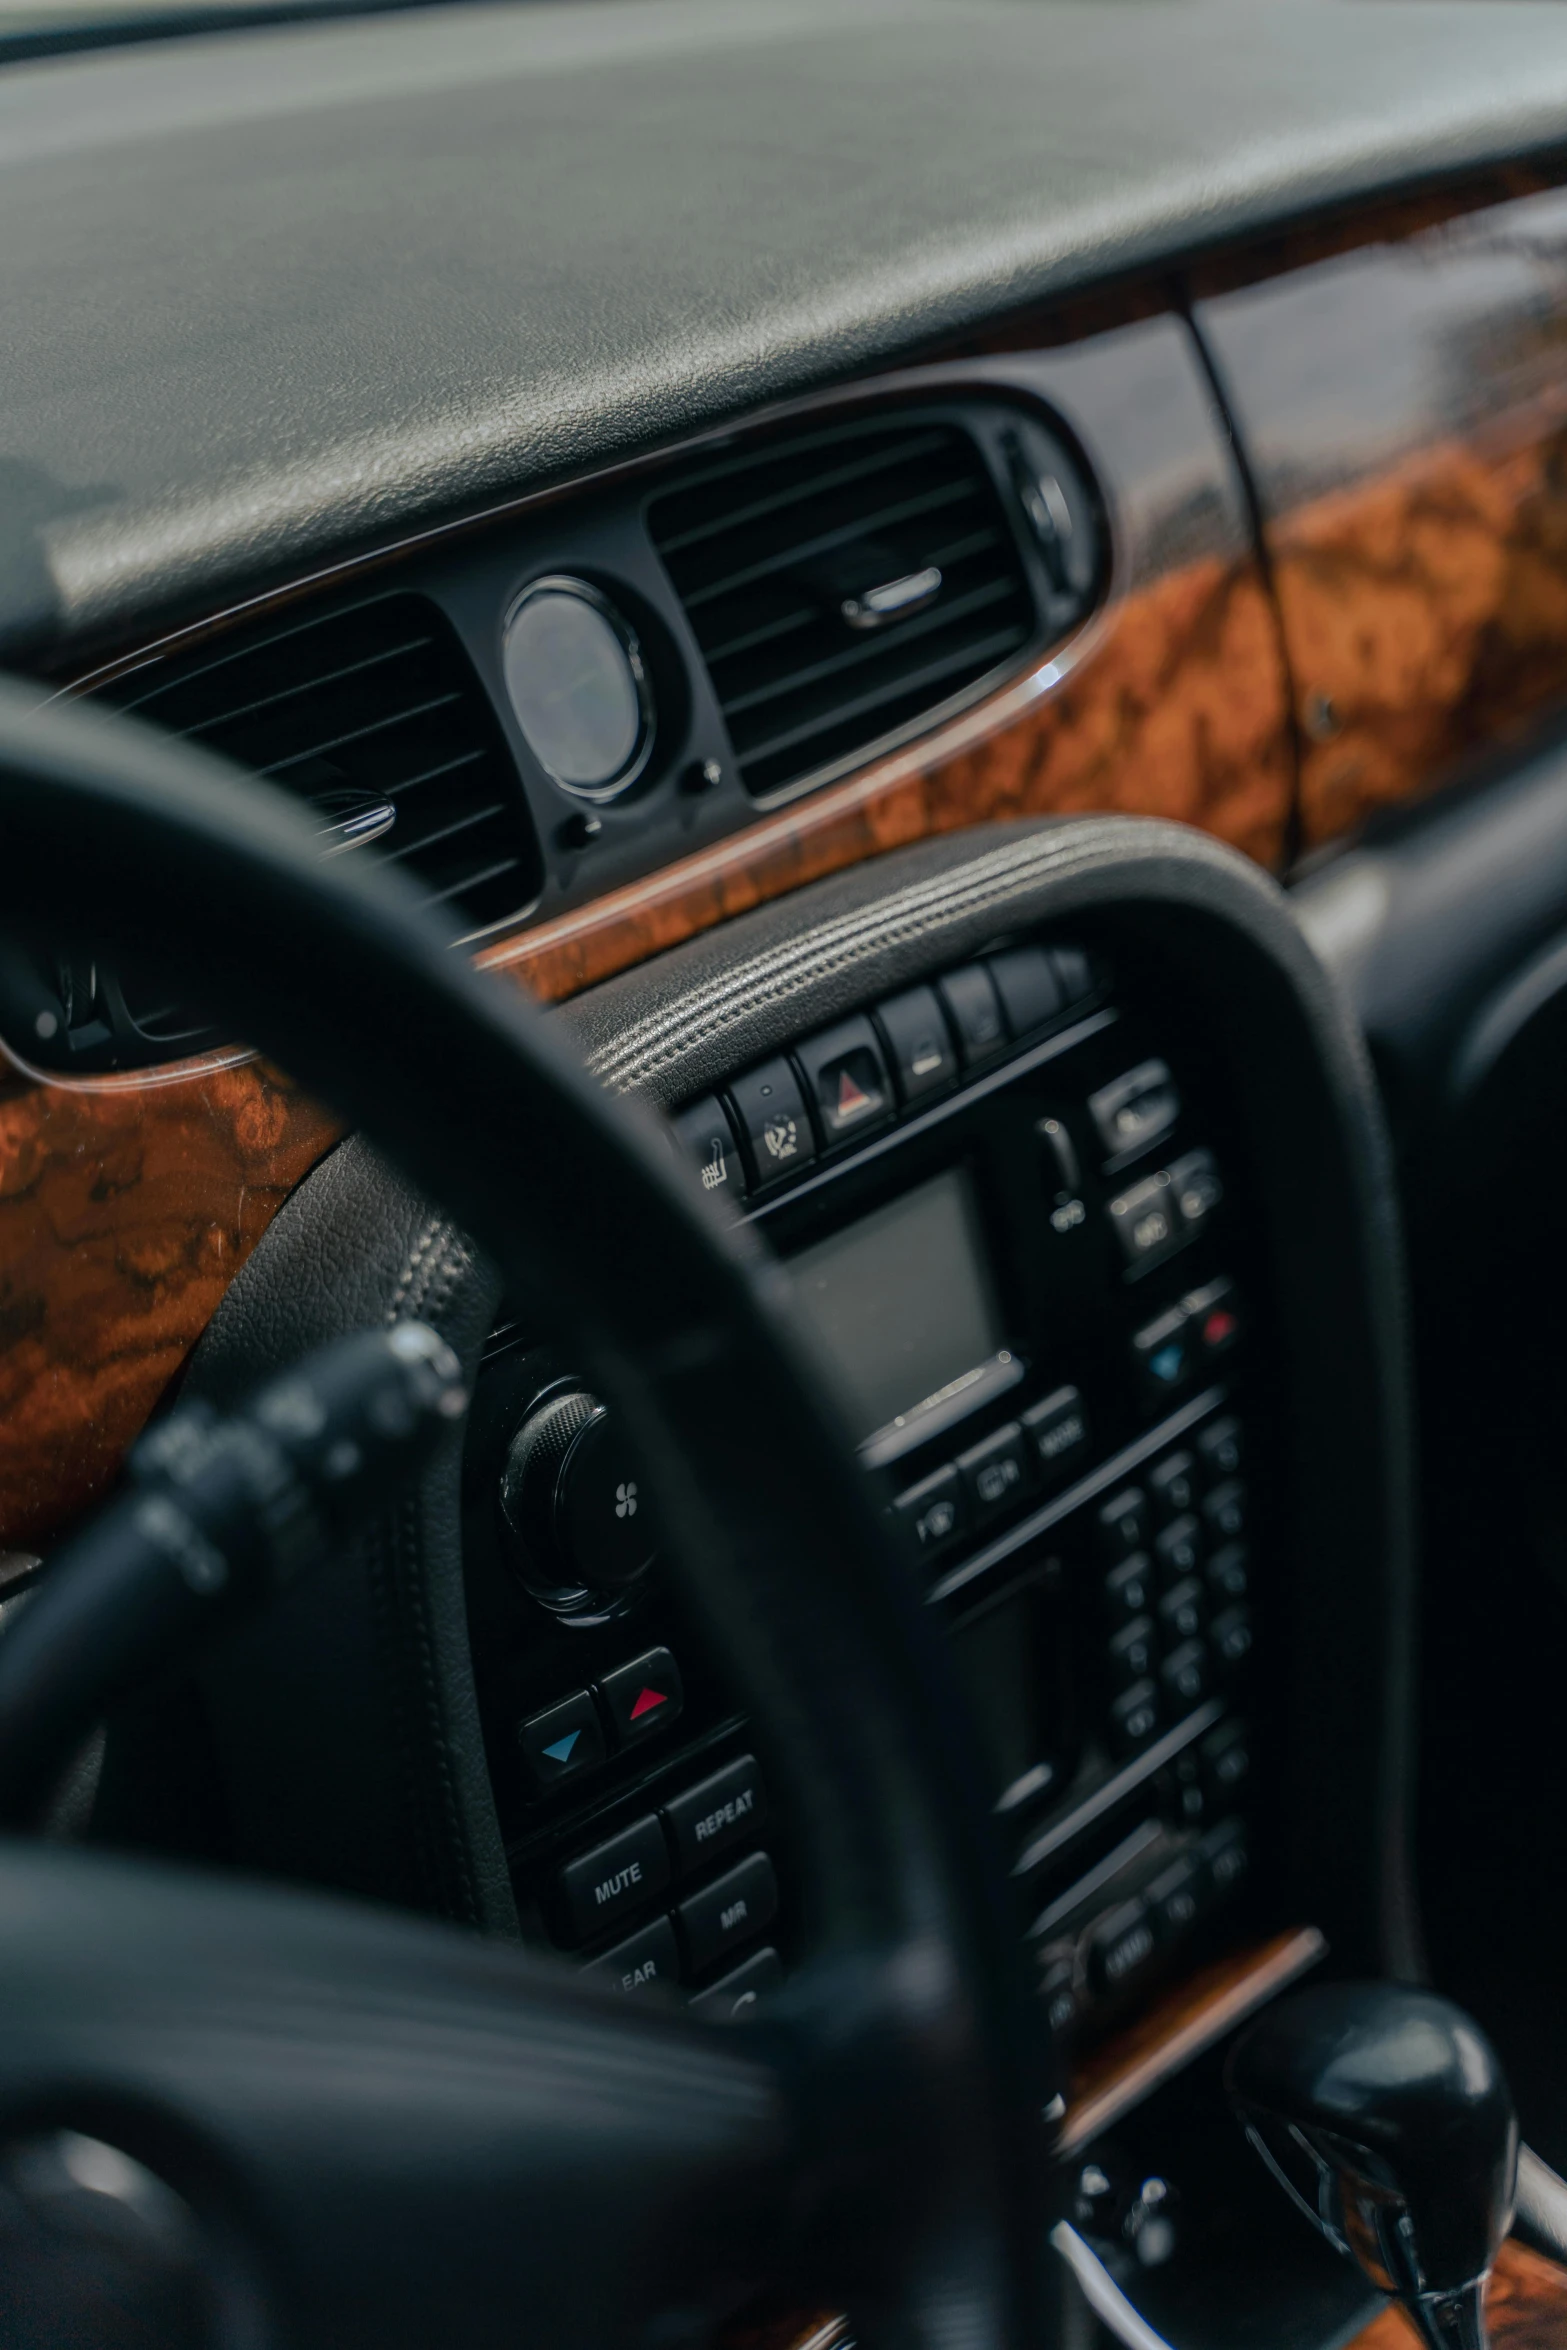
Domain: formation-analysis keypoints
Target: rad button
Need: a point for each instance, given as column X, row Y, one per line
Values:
column 644, row 1696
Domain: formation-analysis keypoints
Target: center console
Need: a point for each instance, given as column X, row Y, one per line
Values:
column 1014, row 1215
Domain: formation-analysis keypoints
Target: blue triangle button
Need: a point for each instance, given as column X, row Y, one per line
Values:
column 560, row 1752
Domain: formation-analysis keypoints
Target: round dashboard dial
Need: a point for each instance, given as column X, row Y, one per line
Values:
column 578, row 686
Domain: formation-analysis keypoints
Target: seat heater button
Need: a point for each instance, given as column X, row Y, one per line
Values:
column 975, row 1012
column 994, row 1473
column 1122, row 1941
column 919, row 1043
column 1029, row 987
column 718, row 1813
column 734, row 1996
column 642, row 1962
column 644, row 1696
column 708, row 1139
column 607, row 1884
column 773, row 1118
column 846, row 1078
column 720, row 1917
column 1145, row 1223
column 934, row 1510
column 561, row 1741
column 1057, row 1429
column 1137, row 1111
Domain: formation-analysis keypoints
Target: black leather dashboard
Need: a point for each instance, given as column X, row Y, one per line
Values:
column 280, row 293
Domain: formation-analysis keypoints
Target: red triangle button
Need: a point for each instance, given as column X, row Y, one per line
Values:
column 852, row 1098
column 647, row 1699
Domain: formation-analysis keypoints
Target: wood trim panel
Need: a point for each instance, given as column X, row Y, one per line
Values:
column 1525, row 2307
column 125, row 1212
column 1405, row 411
column 1177, row 2027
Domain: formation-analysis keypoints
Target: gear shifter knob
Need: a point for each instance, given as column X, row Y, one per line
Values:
column 1384, row 2114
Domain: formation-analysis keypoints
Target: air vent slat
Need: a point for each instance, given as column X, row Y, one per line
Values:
column 828, row 542
column 988, row 649
column 866, row 650
column 774, row 556
column 372, row 703
column 814, row 485
column 303, row 685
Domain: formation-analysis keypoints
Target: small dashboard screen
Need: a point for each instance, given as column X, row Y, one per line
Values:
column 901, row 1304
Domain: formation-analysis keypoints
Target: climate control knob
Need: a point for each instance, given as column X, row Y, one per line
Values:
column 573, row 1502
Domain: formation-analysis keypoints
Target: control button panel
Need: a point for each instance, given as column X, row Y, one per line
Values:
column 1085, row 1524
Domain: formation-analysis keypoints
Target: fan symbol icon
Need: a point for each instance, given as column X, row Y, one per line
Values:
column 626, row 1499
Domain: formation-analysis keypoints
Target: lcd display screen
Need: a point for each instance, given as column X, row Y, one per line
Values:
column 900, row 1306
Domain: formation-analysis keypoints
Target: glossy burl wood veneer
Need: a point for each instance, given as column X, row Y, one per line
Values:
column 1525, row 2308
column 1404, row 408
column 125, row 1212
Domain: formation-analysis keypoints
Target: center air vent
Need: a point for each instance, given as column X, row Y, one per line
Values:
column 844, row 585
column 374, row 716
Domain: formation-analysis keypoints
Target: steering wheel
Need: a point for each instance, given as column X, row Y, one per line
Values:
column 391, row 2132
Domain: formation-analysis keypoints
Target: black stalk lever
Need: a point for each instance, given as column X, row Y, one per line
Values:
column 217, row 1514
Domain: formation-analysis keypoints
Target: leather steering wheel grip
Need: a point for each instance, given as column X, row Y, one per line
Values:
column 428, row 2138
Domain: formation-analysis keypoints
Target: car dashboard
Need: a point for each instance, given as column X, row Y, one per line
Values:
column 749, row 713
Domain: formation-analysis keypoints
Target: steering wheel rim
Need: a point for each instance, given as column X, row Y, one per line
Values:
column 911, row 2055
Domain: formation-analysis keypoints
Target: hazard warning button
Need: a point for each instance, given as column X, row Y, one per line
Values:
column 846, row 1078
column 644, row 1696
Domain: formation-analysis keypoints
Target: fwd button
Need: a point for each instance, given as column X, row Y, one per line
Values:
column 614, row 1880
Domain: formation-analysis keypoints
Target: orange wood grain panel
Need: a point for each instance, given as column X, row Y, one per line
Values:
column 1426, row 614
column 1177, row 2026
column 1405, row 409
column 1525, row 2308
column 125, row 1212
column 1175, row 707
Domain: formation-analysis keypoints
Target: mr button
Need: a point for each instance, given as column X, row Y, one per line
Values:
column 614, row 1879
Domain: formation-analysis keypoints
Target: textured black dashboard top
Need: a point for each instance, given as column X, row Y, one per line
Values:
column 271, row 295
